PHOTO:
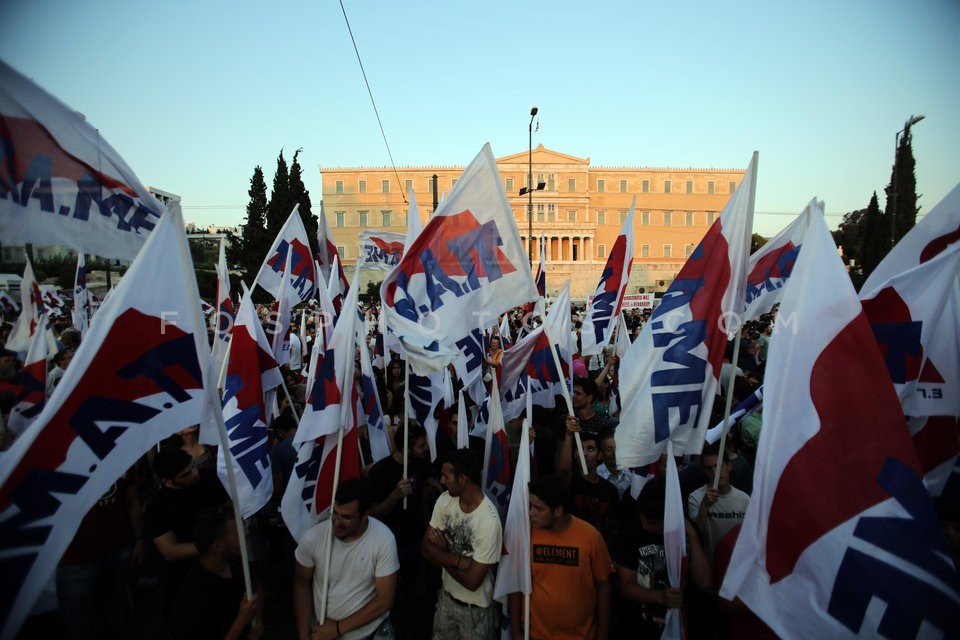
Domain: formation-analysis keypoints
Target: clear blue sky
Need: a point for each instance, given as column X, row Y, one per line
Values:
column 195, row 94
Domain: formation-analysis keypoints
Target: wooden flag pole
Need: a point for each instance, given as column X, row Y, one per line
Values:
column 406, row 421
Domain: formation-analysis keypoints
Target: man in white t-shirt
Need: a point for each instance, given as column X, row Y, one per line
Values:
column 715, row 512
column 464, row 538
column 363, row 571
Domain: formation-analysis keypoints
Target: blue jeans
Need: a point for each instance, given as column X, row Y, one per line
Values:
column 91, row 596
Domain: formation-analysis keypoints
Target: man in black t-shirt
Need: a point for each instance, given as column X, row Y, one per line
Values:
column 171, row 514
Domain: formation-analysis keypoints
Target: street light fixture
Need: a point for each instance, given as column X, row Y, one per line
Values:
column 528, row 190
column 893, row 183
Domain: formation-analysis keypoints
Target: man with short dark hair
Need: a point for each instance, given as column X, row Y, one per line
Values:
column 570, row 569
column 716, row 511
column 593, row 499
column 362, row 580
column 212, row 603
column 464, row 539
column 642, row 569
column 169, row 518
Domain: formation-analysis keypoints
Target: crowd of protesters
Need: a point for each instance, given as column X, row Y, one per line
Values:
column 414, row 548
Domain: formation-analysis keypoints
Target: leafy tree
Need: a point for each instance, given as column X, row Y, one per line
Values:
column 281, row 201
column 372, row 294
column 756, row 241
column 246, row 252
column 300, row 195
column 875, row 232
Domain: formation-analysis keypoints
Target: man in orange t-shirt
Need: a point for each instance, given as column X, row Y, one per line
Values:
column 571, row 570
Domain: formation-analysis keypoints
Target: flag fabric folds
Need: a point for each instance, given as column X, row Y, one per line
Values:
column 840, row 539
column 137, row 378
column 771, row 264
column 514, row 573
column 292, row 239
column 670, row 374
column 327, row 255
column 224, row 314
column 251, row 372
column 604, row 307
column 674, row 544
column 81, row 301
column 465, row 268
column 329, row 401
column 376, row 427
column 380, row 249
column 67, row 185
column 32, row 384
column 32, row 309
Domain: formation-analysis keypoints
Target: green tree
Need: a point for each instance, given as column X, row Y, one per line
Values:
column 876, row 238
column 247, row 251
column 756, row 241
column 901, row 211
column 300, row 195
column 281, row 202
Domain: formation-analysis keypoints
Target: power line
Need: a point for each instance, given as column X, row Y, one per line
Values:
column 372, row 101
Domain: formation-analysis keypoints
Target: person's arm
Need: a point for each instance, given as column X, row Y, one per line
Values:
column 382, row 509
column 248, row 611
column 171, row 549
column 515, row 607
column 386, row 588
column 629, row 589
column 463, row 569
column 302, row 598
column 563, row 464
column 603, row 609
column 701, row 573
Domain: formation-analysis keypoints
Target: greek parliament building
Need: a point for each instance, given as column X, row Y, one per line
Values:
column 580, row 210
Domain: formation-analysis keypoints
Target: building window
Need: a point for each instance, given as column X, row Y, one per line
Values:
column 551, row 213
column 689, row 186
column 667, row 186
column 453, row 183
column 623, row 216
column 540, row 215
column 733, row 186
column 711, row 186
column 601, row 217
column 688, row 218
column 667, row 218
column 341, row 218
column 385, row 186
column 342, row 251
column 339, row 187
column 571, row 215
column 509, row 183
column 687, row 250
column 362, row 218
column 645, row 218
column 601, row 185
column 363, row 187
column 646, row 186
column 601, row 251
column 429, row 185
column 623, row 186
column 386, row 218
column 551, row 182
column 667, row 250
column 571, row 184
column 711, row 217
column 644, row 251
column 408, row 185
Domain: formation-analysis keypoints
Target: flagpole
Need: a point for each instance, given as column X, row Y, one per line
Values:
column 566, row 392
column 739, row 322
column 328, row 552
column 406, row 421
column 293, row 408
column 526, row 616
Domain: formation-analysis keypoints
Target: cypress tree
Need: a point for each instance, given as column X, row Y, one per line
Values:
column 300, row 195
column 247, row 251
column 902, row 190
column 876, row 237
column 281, row 203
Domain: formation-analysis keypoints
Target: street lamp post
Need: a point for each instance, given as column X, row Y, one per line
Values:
column 529, row 189
column 893, row 183
column 533, row 113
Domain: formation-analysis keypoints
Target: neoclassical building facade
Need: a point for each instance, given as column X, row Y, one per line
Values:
column 580, row 211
